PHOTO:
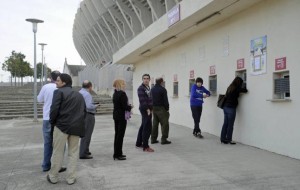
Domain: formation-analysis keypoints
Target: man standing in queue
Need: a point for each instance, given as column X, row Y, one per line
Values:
column 160, row 112
column 145, row 99
column 67, row 115
column 87, row 88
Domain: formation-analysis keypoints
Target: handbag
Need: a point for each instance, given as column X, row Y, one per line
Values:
column 127, row 115
column 221, row 101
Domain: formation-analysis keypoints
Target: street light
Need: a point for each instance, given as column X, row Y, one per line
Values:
column 34, row 29
column 42, row 45
column 45, row 69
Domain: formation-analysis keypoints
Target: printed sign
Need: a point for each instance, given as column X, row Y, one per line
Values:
column 280, row 63
column 174, row 15
column 212, row 70
column 240, row 64
column 192, row 74
column 258, row 56
column 175, row 78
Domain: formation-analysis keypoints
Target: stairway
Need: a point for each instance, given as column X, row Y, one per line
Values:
column 17, row 102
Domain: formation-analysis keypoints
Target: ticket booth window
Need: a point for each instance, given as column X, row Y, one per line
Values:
column 243, row 75
column 175, row 89
column 191, row 83
column 282, row 85
column 213, row 84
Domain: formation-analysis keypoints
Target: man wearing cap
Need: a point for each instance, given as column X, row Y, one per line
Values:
column 45, row 96
column 84, row 152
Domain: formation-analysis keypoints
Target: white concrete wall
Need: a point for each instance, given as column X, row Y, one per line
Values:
column 268, row 125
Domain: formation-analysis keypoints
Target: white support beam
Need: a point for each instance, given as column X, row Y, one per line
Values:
column 113, row 20
column 111, row 30
column 125, row 30
column 106, row 35
column 138, row 15
column 157, row 8
column 108, row 53
column 145, row 14
column 134, row 23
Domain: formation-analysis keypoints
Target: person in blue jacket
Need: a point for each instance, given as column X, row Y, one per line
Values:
column 198, row 93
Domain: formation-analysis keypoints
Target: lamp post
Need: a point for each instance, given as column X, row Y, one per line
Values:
column 34, row 29
column 42, row 77
column 45, row 70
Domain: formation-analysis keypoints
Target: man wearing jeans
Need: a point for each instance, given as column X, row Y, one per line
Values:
column 145, row 107
column 67, row 115
column 45, row 96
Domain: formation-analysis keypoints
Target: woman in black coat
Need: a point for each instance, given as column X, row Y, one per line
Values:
column 229, row 109
column 120, row 101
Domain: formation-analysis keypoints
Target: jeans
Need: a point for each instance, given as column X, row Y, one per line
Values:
column 227, row 129
column 196, row 112
column 145, row 130
column 48, row 140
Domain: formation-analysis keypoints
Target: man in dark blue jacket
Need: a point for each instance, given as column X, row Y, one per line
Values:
column 67, row 114
column 160, row 112
column 145, row 107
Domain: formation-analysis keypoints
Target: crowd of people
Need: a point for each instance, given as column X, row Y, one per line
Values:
column 69, row 115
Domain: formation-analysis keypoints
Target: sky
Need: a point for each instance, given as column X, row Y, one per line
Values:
column 56, row 31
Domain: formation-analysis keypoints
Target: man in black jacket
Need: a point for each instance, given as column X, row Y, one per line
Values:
column 160, row 112
column 67, row 115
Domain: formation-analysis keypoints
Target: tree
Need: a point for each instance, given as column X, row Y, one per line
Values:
column 39, row 71
column 17, row 66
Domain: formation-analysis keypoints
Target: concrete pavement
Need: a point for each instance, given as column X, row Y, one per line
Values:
column 187, row 163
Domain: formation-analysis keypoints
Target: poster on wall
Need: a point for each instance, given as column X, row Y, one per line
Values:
column 258, row 56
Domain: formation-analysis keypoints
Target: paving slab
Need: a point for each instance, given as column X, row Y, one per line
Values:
column 187, row 163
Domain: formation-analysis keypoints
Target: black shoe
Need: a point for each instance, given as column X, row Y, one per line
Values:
column 120, row 158
column 88, row 153
column 49, row 180
column 62, row 169
column 123, row 156
column 232, row 142
column 154, row 142
column 199, row 135
column 86, row 157
column 224, row 142
column 166, row 142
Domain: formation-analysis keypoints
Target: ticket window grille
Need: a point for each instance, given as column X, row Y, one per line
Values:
column 175, row 89
column 282, row 86
column 243, row 75
column 213, row 85
column 191, row 83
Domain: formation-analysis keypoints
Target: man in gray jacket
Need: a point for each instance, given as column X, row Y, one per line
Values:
column 67, row 114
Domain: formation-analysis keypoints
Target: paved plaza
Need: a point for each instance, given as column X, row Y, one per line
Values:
column 187, row 163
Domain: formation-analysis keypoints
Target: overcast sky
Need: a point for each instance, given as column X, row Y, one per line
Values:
column 56, row 31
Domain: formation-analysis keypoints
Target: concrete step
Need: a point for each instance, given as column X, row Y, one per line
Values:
column 17, row 102
column 3, row 111
column 4, row 117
